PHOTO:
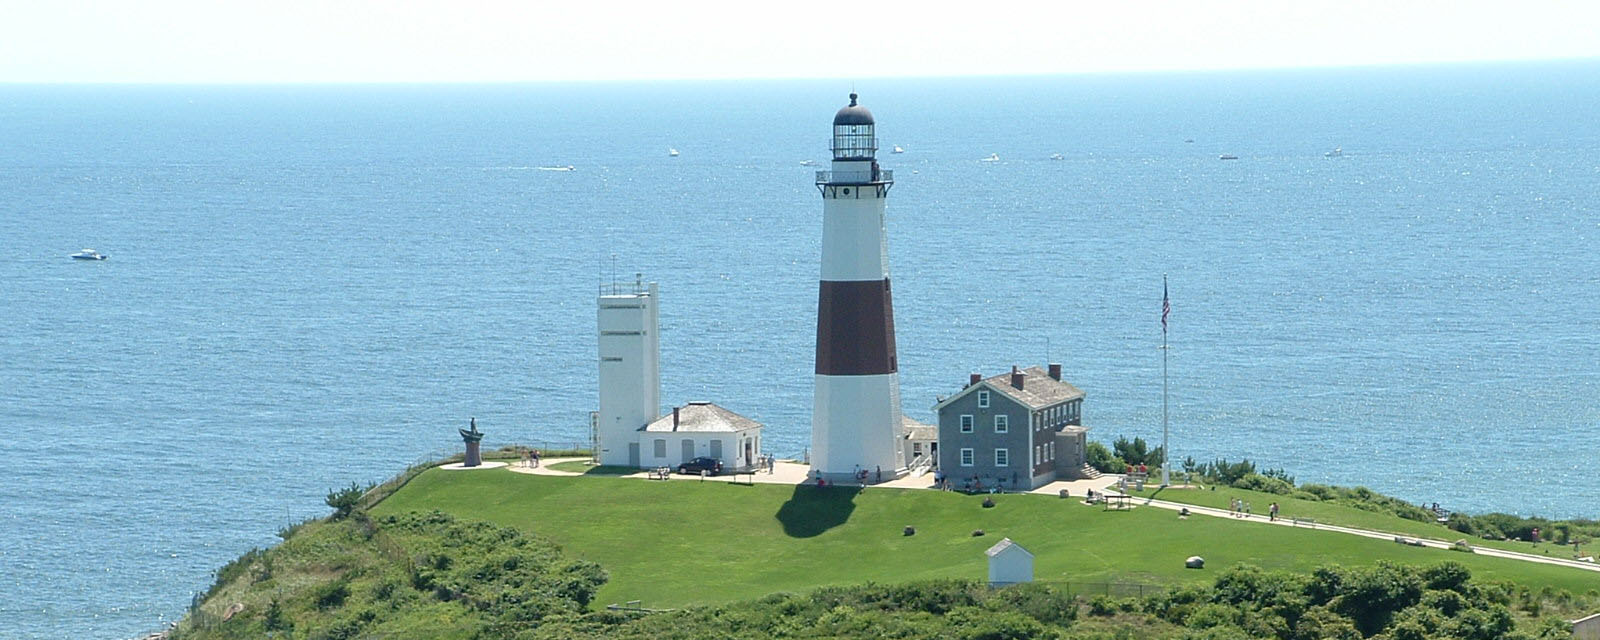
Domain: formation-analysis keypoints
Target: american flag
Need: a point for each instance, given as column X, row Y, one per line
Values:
column 1166, row 307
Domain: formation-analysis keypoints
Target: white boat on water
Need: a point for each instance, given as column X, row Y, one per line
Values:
column 672, row 152
column 808, row 163
column 89, row 254
column 993, row 157
column 566, row 168
column 1227, row 156
column 1335, row 153
column 1057, row 156
column 897, row 149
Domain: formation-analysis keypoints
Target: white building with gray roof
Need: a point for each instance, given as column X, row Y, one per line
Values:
column 700, row 430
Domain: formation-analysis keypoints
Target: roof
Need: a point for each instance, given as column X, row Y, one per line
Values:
column 1004, row 546
column 1038, row 390
column 852, row 114
column 918, row 431
column 703, row 417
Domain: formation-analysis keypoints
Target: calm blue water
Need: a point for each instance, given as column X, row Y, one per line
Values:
column 314, row 286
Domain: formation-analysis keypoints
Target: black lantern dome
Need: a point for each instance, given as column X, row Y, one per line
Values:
column 852, row 114
column 853, row 137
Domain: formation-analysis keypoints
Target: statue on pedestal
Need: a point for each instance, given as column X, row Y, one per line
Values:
column 472, row 438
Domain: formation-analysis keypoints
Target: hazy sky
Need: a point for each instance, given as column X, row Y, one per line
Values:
column 464, row 41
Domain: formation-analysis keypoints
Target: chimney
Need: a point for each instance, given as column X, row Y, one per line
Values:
column 1055, row 371
column 974, row 379
column 674, row 418
column 1017, row 376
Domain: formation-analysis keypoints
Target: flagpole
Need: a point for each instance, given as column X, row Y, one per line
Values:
column 1166, row 453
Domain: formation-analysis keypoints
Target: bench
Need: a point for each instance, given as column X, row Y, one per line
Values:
column 749, row 477
column 661, row 473
column 1303, row 521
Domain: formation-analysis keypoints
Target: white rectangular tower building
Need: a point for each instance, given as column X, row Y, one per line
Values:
column 855, row 419
column 630, row 371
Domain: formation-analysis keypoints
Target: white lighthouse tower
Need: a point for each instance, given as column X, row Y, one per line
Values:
column 630, row 371
column 855, row 419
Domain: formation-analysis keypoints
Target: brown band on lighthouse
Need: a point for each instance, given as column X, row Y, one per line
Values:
column 855, row 329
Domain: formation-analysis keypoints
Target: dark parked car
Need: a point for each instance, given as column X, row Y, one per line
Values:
column 711, row 466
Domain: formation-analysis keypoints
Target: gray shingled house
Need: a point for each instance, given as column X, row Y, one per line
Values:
column 1015, row 431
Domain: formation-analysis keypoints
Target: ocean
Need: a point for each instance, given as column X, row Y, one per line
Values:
column 310, row 286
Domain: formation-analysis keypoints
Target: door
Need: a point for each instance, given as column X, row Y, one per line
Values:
column 688, row 450
column 716, row 449
column 749, row 453
column 633, row 454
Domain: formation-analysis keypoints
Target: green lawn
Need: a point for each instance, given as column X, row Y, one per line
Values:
column 585, row 467
column 679, row 543
column 1343, row 515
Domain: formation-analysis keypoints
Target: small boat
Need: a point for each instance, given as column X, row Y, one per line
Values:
column 1188, row 140
column 1334, row 154
column 1057, row 156
column 672, row 152
column 1227, row 156
column 993, row 157
column 89, row 254
column 566, row 168
column 897, row 149
column 808, row 163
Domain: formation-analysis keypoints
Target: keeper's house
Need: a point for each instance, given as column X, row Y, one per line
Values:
column 1015, row 431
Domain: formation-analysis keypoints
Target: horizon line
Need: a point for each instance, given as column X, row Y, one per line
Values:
column 810, row 78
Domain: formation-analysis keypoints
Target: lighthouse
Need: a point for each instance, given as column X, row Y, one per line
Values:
column 855, row 419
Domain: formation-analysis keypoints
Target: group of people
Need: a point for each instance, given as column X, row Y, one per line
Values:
column 1241, row 509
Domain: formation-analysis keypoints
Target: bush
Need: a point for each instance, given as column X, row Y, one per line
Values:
column 1099, row 457
column 344, row 500
column 1264, row 484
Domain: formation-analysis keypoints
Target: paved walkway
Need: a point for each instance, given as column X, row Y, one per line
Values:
column 792, row 473
column 1366, row 533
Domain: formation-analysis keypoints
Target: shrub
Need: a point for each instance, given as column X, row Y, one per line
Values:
column 344, row 500
column 1099, row 457
column 1264, row 484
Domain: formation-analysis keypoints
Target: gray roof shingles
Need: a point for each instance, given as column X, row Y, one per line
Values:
column 703, row 417
column 1038, row 390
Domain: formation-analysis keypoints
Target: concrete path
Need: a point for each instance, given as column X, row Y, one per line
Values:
column 1366, row 533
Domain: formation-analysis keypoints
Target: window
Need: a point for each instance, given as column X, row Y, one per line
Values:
column 661, row 448
column 1002, row 423
column 1002, row 457
column 916, row 448
column 983, row 399
column 966, row 457
column 1038, row 454
column 966, row 424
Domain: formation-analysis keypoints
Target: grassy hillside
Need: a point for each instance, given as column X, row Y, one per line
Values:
column 412, row 575
column 679, row 543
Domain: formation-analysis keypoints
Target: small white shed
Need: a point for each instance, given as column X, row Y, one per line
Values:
column 1586, row 628
column 1009, row 563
